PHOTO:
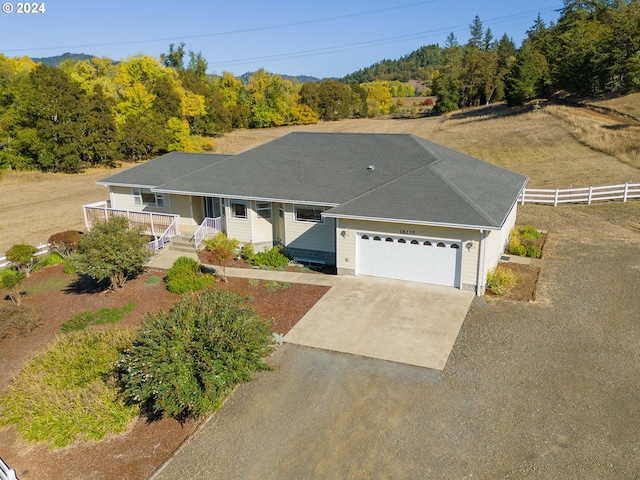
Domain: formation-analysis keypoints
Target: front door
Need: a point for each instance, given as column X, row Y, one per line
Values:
column 211, row 207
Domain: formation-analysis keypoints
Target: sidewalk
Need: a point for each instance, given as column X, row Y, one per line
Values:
column 164, row 261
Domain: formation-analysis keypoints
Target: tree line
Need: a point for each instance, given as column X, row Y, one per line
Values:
column 87, row 113
column 593, row 49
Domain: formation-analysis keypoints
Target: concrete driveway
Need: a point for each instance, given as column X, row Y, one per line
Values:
column 392, row 320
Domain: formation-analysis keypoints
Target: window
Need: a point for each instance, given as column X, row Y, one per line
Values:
column 376, row 238
column 389, row 239
column 415, row 242
column 365, row 237
column 144, row 196
column 441, row 245
column 455, row 245
column 402, row 240
column 263, row 209
column 309, row 213
column 238, row 209
column 427, row 243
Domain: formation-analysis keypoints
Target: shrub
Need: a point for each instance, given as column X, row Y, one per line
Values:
column 272, row 258
column 70, row 265
column 185, row 361
column 17, row 320
column 500, row 280
column 112, row 250
column 185, row 276
column 69, row 392
column 12, row 279
column 516, row 248
column 526, row 242
column 65, row 243
column 528, row 233
column 82, row 320
column 23, row 256
column 533, row 251
column 54, row 258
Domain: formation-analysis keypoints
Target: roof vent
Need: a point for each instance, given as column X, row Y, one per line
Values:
column 371, row 167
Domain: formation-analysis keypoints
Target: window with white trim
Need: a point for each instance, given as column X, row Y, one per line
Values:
column 238, row 208
column 308, row 213
column 263, row 210
column 144, row 196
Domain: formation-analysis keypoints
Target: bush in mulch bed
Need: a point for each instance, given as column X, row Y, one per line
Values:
column 17, row 320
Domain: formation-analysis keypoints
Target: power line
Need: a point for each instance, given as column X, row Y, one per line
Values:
column 231, row 32
column 370, row 43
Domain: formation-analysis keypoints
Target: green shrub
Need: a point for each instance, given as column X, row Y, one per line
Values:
column 185, row 276
column 69, row 392
column 54, row 258
column 247, row 252
column 184, row 362
column 500, row 280
column 516, row 248
column 70, row 267
column 272, row 258
column 12, row 279
column 82, row 320
column 23, row 256
column 533, row 251
column 529, row 233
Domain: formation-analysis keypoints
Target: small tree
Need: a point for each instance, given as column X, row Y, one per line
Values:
column 11, row 279
column 112, row 250
column 23, row 256
column 65, row 243
column 221, row 250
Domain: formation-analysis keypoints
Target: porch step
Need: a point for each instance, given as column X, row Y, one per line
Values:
column 182, row 243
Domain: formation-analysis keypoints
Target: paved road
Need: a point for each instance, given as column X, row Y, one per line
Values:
column 543, row 390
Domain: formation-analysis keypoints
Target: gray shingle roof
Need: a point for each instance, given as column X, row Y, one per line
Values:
column 414, row 179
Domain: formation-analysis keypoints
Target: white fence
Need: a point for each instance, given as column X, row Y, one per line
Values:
column 6, row 473
column 624, row 192
column 41, row 250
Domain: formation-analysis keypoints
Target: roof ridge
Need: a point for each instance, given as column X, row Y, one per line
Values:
column 226, row 157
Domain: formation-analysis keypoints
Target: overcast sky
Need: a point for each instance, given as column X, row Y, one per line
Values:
column 323, row 39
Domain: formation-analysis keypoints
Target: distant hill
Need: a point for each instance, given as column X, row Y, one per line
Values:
column 418, row 65
column 58, row 59
column 300, row 78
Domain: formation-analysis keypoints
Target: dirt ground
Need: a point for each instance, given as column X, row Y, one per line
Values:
column 137, row 453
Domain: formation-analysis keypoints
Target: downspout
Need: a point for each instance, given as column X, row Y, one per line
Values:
column 481, row 281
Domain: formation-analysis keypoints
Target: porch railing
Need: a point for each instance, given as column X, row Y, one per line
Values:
column 154, row 224
column 207, row 225
column 167, row 235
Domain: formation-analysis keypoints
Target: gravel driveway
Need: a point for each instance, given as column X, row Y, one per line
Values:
column 532, row 390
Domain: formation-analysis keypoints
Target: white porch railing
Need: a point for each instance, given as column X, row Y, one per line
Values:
column 205, row 228
column 7, row 473
column 155, row 224
column 171, row 231
column 624, row 192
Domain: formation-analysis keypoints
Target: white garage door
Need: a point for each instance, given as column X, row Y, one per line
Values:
column 409, row 258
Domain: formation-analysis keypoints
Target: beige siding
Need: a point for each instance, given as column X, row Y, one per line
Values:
column 181, row 205
column 262, row 229
column 308, row 235
column 239, row 228
column 122, row 199
column 347, row 230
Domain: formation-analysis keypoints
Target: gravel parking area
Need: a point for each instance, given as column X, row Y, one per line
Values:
column 545, row 389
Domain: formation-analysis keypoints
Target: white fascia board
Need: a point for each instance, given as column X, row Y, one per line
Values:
column 140, row 185
column 412, row 222
column 244, row 197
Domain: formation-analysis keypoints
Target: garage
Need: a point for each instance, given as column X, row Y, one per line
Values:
column 415, row 259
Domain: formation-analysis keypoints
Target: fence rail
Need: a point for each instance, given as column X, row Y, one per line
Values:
column 207, row 224
column 40, row 250
column 7, row 473
column 623, row 191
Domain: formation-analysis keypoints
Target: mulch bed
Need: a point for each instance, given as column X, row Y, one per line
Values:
column 525, row 289
column 54, row 297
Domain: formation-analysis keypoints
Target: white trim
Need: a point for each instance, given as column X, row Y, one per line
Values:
column 245, row 197
column 318, row 222
column 412, row 222
column 246, row 208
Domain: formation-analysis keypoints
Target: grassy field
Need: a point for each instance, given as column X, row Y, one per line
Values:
column 555, row 147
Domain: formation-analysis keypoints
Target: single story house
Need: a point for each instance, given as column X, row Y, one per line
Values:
column 385, row 205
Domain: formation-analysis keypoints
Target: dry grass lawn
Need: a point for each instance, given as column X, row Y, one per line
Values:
column 543, row 145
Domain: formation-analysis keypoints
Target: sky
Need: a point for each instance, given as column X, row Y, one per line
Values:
column 324, row 39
